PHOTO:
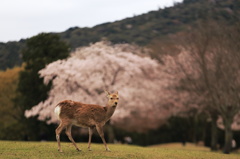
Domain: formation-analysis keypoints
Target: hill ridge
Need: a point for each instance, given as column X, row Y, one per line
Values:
column 140, row 29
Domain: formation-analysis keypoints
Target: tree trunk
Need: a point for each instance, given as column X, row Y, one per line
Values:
column 228, row 137
column 195, row 123
column 214, row 133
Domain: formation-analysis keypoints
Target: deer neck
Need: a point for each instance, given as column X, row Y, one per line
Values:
column 109, row 111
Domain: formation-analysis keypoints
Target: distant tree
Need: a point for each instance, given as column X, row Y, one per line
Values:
column 190, row 81
column 9, row 115
column 212, row 52
column 10, row 54
column 39, row 51
column 145, row 101
column 189, row 1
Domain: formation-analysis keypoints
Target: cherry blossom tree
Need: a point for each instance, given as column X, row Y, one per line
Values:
column 146, row 101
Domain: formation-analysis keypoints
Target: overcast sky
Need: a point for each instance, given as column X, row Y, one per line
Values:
column 20, row 19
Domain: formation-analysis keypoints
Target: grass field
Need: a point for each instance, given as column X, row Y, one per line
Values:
column 45, row 150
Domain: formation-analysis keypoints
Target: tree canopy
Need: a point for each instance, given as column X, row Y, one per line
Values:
column 9, row 115
column 39, row 51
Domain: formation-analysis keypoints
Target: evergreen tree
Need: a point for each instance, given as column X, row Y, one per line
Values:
column 39, row 51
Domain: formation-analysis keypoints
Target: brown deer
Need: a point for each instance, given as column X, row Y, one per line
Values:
column 84, row 115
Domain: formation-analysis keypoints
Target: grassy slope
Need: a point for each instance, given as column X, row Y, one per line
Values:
column 46, row 150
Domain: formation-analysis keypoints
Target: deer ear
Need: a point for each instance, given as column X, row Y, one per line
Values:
column 107, row 93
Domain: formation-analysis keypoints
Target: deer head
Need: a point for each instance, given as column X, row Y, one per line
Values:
column 112, row 99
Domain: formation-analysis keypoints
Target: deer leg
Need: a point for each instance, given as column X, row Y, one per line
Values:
column 69, row 134
column 58, row 132
column 101, row 134
column 90, row 130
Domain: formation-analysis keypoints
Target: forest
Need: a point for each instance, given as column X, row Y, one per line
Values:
column 142, row 29
column 176, row 70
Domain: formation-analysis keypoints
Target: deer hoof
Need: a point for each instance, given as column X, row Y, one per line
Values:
column 78, row 149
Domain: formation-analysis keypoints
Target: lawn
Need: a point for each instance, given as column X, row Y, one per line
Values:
column 45, row 150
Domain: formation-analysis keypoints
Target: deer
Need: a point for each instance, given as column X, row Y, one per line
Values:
column 84, row 115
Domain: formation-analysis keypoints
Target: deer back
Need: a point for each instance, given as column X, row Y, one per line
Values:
column 84, row 115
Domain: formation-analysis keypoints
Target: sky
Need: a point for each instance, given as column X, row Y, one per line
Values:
column 21, row 19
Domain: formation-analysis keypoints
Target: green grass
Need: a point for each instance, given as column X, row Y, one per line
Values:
column 45, row 150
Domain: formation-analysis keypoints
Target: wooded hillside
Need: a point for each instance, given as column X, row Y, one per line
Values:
column 141, row 29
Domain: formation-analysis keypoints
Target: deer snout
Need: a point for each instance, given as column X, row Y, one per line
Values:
column 116, row 103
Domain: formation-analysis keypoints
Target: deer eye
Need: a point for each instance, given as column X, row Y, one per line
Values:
column 111, row 98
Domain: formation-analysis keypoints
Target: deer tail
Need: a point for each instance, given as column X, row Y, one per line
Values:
column 57, row 111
